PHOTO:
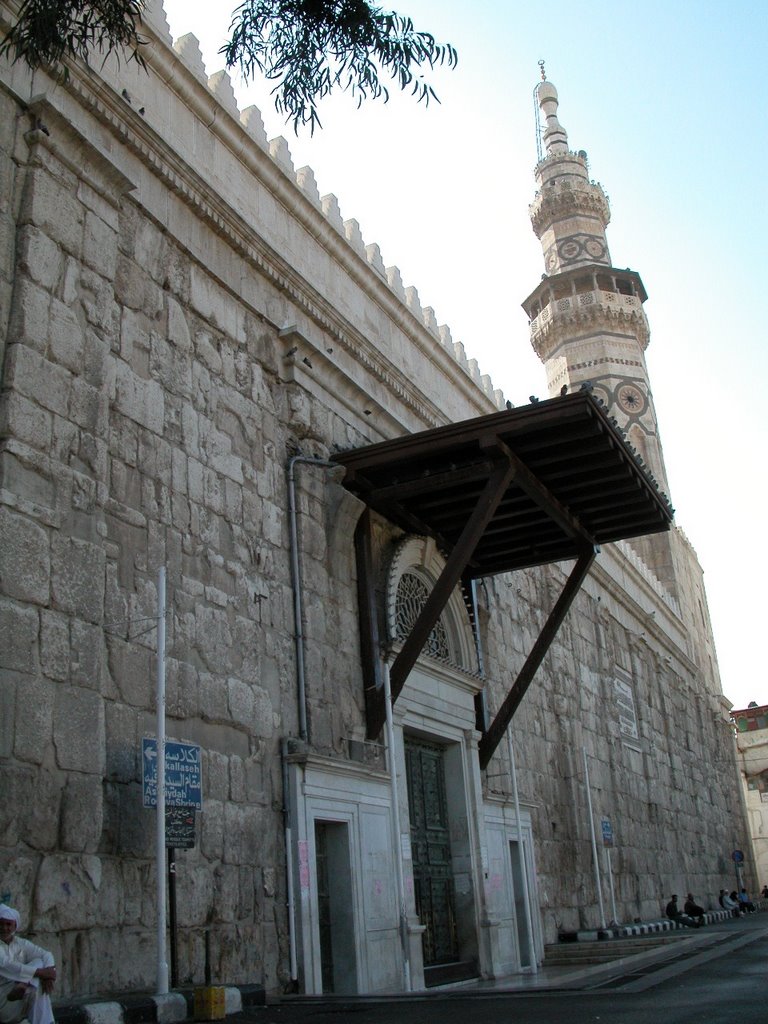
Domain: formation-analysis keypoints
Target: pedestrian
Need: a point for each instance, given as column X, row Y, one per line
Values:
column 746, row 903
column 692, row 909
column 729, row 904
column 674, row 913
column 27, row 975
column 764, row 893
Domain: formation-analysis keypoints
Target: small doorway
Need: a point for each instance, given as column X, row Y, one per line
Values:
column 519, row 882
column 335, row 908
column 431, row 850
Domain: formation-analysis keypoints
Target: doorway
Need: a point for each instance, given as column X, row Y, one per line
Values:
column 338, row 961
column 431, row 850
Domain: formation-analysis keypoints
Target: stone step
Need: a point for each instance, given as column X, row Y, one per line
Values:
column 565, row 953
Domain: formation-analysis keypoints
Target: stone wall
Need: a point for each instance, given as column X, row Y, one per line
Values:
column 184, row 314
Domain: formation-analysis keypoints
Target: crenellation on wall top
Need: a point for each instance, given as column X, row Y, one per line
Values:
column 220, row 84
column 253, row 122
column 430, row 321
column 281, row 154
column 395, row 281
column 153, row 13
column 187, row 48
column 305, row 179
column 413, row 302
column 373, row 255
column 354, row 236
column 332, row 212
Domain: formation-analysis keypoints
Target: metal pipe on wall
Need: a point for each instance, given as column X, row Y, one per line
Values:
column 298, row 603
column 398, row 848
column 595, row 859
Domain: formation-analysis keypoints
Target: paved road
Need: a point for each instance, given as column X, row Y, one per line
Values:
column 725, row 984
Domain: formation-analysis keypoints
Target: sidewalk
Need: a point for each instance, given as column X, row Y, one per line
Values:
column 178, row 1006
column 144, row 1008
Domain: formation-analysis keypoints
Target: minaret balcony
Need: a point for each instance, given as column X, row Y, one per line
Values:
column 568, row 196
column 563, row 318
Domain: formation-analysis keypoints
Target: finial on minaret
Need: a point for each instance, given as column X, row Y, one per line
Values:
column 543, row 72
column 555, row 136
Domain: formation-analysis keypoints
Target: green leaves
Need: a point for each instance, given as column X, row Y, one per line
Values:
column 46, row 31
column 307, row 47
column 310, row 47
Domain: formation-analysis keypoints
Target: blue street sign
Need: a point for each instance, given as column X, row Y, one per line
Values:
column 607, row 830
column 737, row 856
column 183, row 782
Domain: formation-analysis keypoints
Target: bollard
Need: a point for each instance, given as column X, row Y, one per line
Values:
column 210, row 1000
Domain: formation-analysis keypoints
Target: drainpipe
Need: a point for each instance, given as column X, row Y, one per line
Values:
column 532, row 959
column 301, row 695
column 298, row 610
column 399, row 879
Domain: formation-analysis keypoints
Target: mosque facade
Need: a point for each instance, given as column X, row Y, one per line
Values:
column 195, row 348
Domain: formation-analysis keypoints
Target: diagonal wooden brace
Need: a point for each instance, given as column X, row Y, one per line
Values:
column 493, row 492
column 498, row 727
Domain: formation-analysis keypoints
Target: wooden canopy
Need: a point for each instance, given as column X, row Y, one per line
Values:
column 546, row 482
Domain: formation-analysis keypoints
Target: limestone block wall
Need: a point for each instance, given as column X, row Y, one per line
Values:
column 666, row 785
column 181, row 314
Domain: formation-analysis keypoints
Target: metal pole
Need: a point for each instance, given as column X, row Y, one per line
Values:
column 390, row 729
column 595, row 859
column 523, row 864
column 609, row 866
column 289, row 880
column 162, row 961
column 172, row 916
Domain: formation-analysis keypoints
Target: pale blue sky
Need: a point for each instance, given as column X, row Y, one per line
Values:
column 668, row 99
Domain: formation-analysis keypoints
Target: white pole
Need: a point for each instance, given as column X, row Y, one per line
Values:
column 532, row 959
column 400, row 880
column 162, row 959
column 609, row 867
column 595, row 859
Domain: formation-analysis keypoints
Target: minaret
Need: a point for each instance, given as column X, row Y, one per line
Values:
column 587, row 318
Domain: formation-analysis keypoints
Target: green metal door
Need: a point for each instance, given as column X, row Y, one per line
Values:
column 431, row 849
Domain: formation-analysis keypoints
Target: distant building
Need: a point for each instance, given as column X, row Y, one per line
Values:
column 205, row 368
column 752, row 744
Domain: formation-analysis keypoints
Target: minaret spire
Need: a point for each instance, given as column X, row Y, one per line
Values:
column 587, row 318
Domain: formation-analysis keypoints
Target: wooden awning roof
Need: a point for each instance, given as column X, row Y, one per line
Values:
column 546, row 482
column 575, row 481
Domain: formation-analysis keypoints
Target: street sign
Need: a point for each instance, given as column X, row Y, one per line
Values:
column 607, row 830
column 183, row 783
column 180, row 827
column 737, row 857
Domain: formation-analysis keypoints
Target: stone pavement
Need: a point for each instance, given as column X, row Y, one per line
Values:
column 178, row 1006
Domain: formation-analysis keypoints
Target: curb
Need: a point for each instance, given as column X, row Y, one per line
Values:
column 646, row 928
column 148, row 1009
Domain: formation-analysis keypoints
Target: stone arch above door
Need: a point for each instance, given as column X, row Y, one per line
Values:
column 415, row 566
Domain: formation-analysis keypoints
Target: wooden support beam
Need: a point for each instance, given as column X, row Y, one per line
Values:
column 487, row 503
column 498, row 727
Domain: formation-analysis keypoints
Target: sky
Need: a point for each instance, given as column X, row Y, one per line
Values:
column 669, row 99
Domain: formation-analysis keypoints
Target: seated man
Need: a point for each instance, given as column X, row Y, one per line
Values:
column 27, row 974
column 692, row 909
column 727, row 903
column 674, row 913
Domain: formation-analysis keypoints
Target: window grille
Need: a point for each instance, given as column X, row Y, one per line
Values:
column 412, row 594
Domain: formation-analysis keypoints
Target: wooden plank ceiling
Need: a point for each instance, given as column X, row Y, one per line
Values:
column 575, row 482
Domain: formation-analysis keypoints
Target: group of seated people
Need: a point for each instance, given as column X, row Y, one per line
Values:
column 692, row 915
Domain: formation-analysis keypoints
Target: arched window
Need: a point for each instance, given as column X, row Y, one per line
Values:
column 416, row 565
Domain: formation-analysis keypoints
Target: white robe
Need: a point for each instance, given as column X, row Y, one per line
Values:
column 19, row 959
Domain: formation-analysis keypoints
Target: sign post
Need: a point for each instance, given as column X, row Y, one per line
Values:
column 180, row 795
column 607, row 831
